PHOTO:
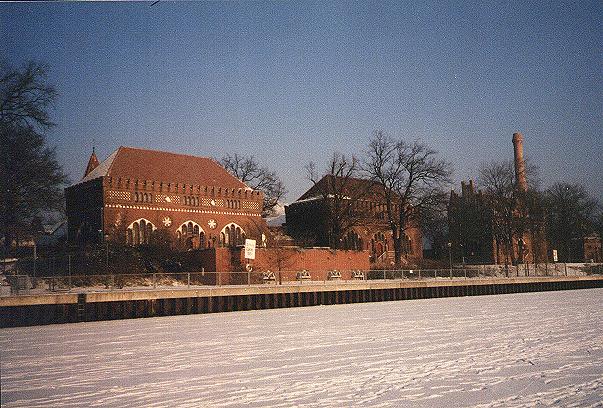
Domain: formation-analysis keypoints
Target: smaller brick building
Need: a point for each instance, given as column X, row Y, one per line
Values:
column 137, row 195
column 592, row 248
column 309, row 219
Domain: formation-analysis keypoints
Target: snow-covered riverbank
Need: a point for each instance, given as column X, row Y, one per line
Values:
column 498, row 351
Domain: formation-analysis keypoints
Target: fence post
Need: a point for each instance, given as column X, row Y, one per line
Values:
column 188, row 279
column 465, row 272
column 565, row 264
column 69, row 269
column 384, row 274
column 419, row 274
column 248, row 278
column 154, row 281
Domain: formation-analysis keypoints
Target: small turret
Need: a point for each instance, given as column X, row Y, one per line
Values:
column 92, row 163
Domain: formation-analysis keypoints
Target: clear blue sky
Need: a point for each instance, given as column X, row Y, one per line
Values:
column 291, row 82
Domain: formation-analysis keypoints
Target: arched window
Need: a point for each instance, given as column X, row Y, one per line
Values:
column 139, row 232
column 192, row 233
column 232, row 235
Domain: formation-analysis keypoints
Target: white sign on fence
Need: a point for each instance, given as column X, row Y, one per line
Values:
column 250, row 249
column 555, row 255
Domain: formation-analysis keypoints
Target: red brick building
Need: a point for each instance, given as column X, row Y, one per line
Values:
column 309, row 219
column 137, row 194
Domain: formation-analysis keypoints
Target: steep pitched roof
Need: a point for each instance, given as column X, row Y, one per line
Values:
column 143, row 164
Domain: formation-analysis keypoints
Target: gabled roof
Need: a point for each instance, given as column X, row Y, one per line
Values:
column 350, row 186
column 142, row 164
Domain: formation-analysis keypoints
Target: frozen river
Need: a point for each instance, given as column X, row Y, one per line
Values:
column 531, row 349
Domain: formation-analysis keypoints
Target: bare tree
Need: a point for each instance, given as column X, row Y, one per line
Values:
column 571, row 216
column 249, row 171
column 412, row 177
column 470, row 222
column 340, row 190
column 279, row 254
column 599, row 222
column 498, row 181
column 514, row 212
column 31, row 180
column 25, row 96
column 532, row 221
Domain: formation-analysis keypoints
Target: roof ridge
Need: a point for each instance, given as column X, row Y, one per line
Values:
column 165, row 152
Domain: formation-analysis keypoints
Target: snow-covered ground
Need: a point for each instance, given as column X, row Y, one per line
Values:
column 532, row 349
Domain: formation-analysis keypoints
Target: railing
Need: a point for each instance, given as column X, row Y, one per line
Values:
column 24, row 284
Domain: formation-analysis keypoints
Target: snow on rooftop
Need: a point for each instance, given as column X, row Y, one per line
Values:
column 101, row 170
column 530, row 349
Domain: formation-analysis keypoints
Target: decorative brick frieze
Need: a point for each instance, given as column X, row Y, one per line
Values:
column 114, row 195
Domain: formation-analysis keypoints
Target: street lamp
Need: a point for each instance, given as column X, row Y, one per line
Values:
column 106, row 236
column 449, row 245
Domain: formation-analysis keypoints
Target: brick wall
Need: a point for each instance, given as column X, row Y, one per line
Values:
column 317, row 261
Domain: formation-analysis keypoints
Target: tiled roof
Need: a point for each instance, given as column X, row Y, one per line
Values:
column 143, row 164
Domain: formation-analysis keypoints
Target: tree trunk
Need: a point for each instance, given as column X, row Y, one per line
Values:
column 397, row 249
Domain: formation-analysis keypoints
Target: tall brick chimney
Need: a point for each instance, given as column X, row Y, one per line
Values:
column 520, row 166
